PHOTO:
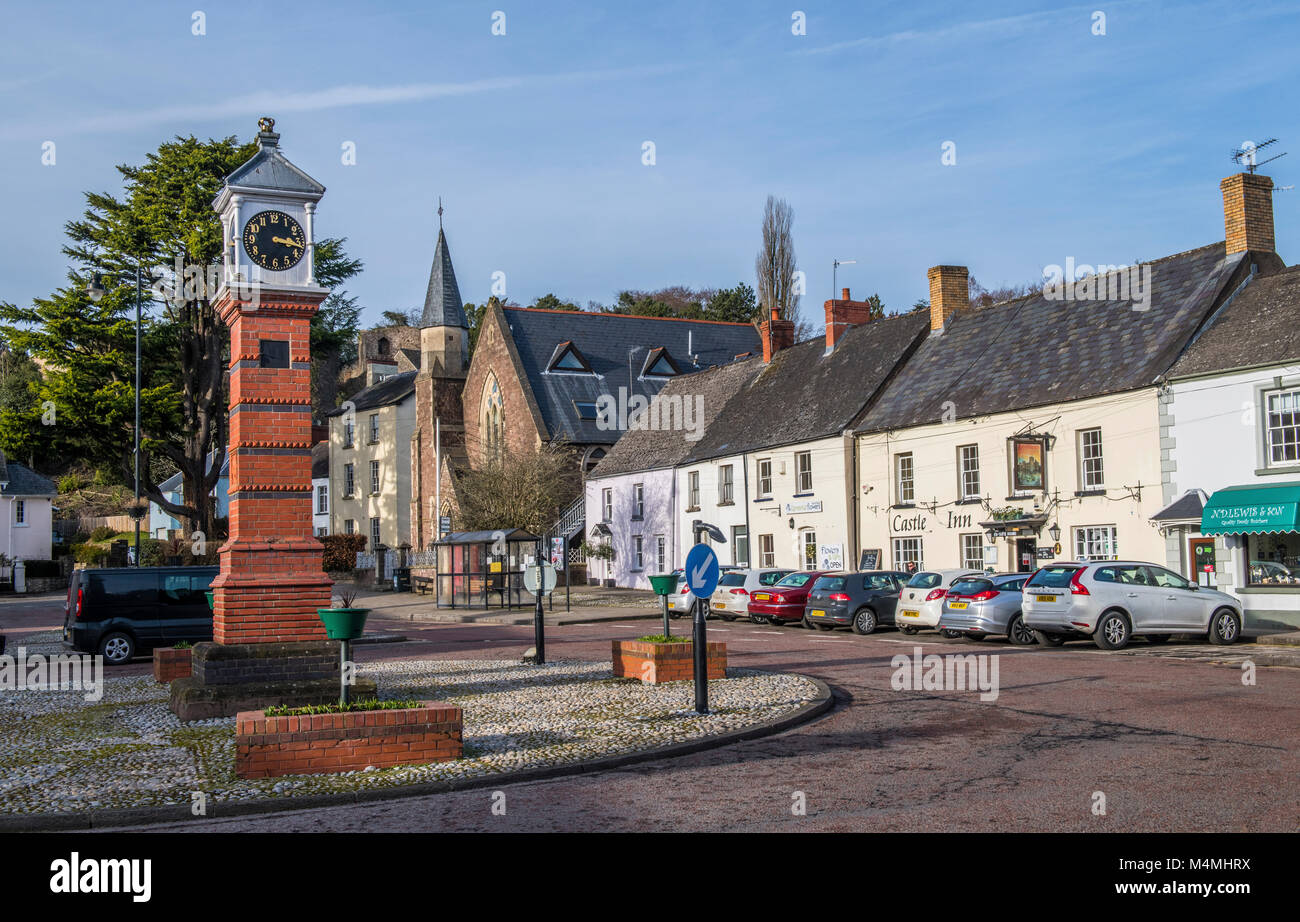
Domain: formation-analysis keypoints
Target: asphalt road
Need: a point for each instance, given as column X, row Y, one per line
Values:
column 1173, row 741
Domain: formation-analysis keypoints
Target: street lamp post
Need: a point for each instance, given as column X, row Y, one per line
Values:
column 95, row 290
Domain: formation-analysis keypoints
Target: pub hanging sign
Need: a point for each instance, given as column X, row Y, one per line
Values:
column 1028, row 465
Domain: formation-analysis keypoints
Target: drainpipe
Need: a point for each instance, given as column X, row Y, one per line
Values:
column 749, row 538
column 855, row 487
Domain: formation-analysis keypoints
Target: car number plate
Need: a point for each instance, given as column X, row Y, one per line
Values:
column 818, row 613
column 957, row 604
column 719, row 604
column 911, row 614
column 761, row 597
column 1044, row 598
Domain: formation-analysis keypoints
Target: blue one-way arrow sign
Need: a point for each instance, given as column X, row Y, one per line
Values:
column 702, row 571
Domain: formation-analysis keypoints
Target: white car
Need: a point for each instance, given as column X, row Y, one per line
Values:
column 731, row 599
column 921, row 602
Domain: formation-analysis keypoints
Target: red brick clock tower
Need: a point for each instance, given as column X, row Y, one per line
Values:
column 269, row 645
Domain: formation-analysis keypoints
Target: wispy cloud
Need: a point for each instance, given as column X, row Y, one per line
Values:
column 335, row 97
column 966, row 31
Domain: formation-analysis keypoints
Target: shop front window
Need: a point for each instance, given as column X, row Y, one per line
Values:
column 1274, row 559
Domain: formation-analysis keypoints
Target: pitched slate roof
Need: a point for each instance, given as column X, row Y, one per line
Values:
column 805, row 393
column 392, row 389
column 649, row 450
column 1259, row 326
column 442, row 305
column 21, row 480
column 320, row 460
column 1033, row 351
column 605, row 341
column 1187, row 507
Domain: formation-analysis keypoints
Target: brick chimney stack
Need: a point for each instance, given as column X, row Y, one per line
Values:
column 842, row 313
column 777, row 334
column 949, row 293
column 1247, row 213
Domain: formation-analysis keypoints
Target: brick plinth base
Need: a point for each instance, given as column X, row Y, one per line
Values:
column 170, row 663
column 268, row 592
column 320, row 743
column 654, row 663
column 229, row 678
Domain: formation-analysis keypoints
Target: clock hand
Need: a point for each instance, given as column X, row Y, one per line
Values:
column 287, row 242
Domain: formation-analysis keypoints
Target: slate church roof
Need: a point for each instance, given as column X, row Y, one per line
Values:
column 614, row 346
column 442, row 304
column 1033, row 351
column 805, row 393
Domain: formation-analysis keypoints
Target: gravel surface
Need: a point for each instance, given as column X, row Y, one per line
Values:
column 60, row 753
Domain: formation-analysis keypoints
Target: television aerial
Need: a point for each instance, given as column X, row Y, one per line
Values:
column 1248, row 154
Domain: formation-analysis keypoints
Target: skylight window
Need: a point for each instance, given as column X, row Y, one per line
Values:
column 586, row 409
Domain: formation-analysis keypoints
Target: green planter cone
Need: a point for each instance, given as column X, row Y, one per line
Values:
column 212, row 600
column 343, row 623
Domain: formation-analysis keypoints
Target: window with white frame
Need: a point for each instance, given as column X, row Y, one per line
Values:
column 764, row 478
column 1091, row 472
column 638, row 559
column 1096, row 542
column 661, row 554
column 374, row 534
column 322, row 531
column 903, row 476
column 803, row 472
column 607, row 505
column 348, row 426
column 968, row 463
column 374, row 428
column 972, row 552
column 810, row 550
column 322, row 499
column 20, row 512
column 349, row 480
column 374, row 477
column 766, row 551
column 349, row 527
column 909, row 555
column 740, row 545
column 693, row 490
column 724, row 483
column 1282, row 426
column 638, row 500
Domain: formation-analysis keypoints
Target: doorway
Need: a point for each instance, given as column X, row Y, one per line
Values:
column 1200, row 551
column 1026, row 555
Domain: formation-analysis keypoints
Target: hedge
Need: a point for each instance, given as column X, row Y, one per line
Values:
column 341, row 551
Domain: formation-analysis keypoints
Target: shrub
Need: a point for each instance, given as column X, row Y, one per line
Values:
column 41, row 569
column 102, row 533
column 92, row 555
column 341, row 551
column 365, row 704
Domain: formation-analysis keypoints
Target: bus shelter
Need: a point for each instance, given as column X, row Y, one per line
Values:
column 484, row 569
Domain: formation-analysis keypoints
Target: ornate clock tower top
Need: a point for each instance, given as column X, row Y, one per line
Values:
column 267, row 207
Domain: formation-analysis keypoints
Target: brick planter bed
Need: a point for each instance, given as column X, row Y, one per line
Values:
column 655, row 663
column 351, row 741
column 171, row 663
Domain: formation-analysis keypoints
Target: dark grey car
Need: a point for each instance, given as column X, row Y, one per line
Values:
column 981, row 605
column 863, row 601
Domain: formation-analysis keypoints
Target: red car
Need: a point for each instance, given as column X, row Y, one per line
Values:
column 786, row 600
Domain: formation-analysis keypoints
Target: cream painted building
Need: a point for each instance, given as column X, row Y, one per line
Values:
column 370, row 462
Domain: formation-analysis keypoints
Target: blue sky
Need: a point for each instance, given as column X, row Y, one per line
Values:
column 1105, row 148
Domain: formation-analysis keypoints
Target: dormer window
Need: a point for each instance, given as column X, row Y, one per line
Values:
column 568, row 358
column 659, row 364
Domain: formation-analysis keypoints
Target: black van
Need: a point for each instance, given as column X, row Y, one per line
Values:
column 121, row 611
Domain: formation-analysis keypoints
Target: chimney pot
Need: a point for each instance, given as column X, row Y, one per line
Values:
column 777, row 334
column 844, row 295
column 843, row 313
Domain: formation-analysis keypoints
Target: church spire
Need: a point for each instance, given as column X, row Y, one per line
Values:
column 442, row 304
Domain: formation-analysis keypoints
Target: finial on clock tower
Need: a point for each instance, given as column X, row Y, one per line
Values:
column 440, row 212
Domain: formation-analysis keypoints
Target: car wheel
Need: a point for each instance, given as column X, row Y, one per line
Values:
column 908, row 629
column 864, row 622
column 1020, row 633
column 950, row 633
column 1225, row 627
column 117, row 648
column 1113, row 631
column 1048, row 640
column 976, row 635
column 1158, row 638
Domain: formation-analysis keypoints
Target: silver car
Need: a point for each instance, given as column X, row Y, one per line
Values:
column 983, row 605
column 1115, row 599
column 922, row 598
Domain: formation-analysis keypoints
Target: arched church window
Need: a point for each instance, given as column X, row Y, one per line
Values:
column 493, row 420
